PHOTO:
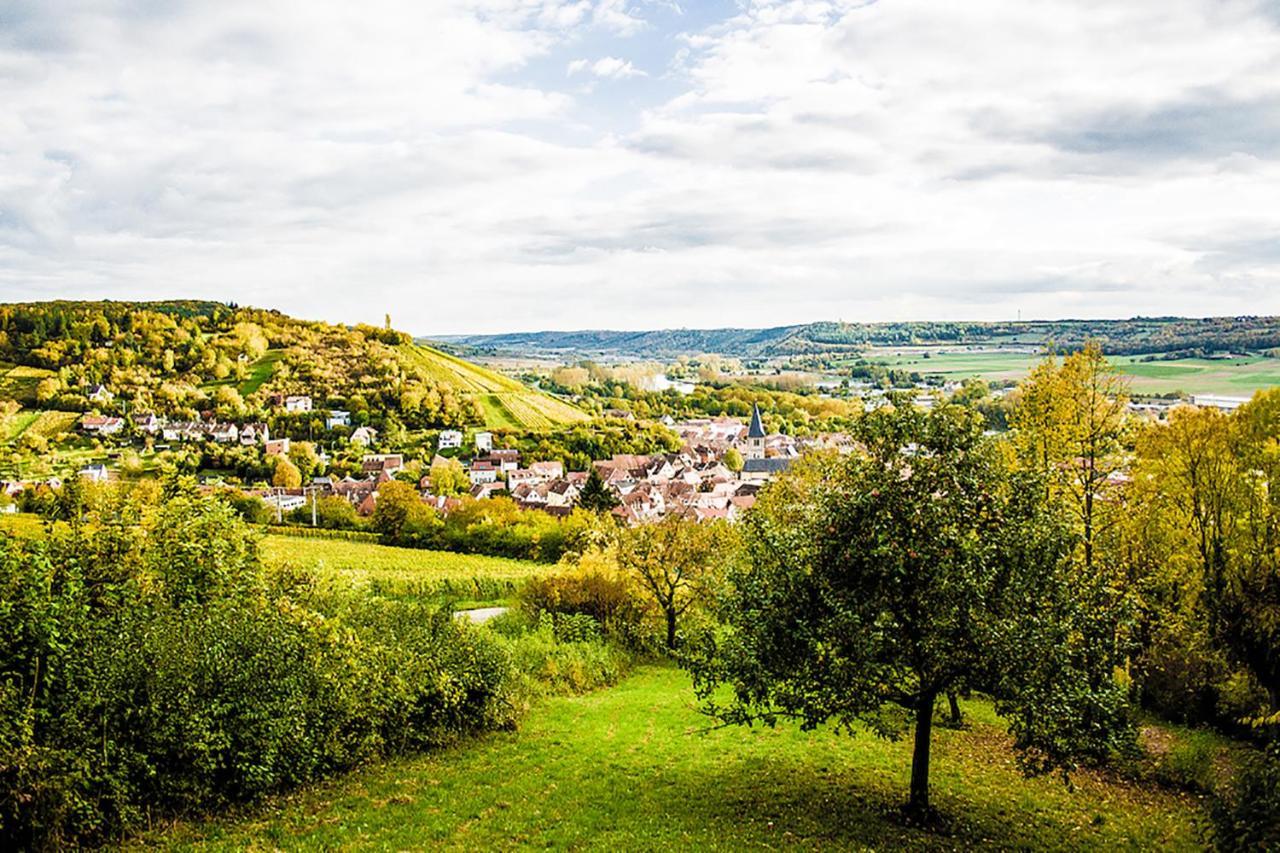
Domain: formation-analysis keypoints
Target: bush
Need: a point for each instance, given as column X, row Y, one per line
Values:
column 565, row 655
column 1247, row 815
column 609, row 600
column 156, row 668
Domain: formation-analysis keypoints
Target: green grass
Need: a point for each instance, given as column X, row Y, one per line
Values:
column 1233, row 377
column 18, row 382
column 504, row 402
column 634, row 768
column 405, row 572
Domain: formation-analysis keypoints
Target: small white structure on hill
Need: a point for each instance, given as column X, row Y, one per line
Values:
column 484, row 442
column 449, row 438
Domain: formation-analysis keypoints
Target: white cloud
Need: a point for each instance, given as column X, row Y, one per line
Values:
column 797, row 161
column 609, row 66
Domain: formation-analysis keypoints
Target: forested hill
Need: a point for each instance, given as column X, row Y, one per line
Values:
column 188, row 358
column 1133, row 336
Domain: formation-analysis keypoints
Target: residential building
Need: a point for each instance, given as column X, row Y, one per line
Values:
column 449, row 438
column 337, row 418
column 297, row 403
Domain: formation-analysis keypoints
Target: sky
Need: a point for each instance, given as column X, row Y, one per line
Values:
column 515, row 165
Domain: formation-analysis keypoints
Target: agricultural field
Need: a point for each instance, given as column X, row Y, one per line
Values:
column 18, row 382
column 636, row 767
column 1239, row 376
column 43, row 423
column 467, row 579
column 505, row 402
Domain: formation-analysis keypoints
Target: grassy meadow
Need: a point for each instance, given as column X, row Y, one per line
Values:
column 636, row 767
column 1239, row 376
column 465, row 579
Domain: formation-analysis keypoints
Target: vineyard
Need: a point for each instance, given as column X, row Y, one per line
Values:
column 505, row 402
column 18, row 382
column 402, row 572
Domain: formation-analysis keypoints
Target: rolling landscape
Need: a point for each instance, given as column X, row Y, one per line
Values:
column 637, row 425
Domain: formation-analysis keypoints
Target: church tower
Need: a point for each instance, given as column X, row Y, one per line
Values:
column 754, row 446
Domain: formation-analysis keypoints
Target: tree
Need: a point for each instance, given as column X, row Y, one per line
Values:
column 400, row 515
column 285, row 474
column 595, row 495
column 448, row 477
column 921, row 565
column 672, row 561
column 1068, row 425
column 733, row 460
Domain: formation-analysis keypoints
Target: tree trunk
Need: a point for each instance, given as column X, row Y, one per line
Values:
column 919, row 802
column 671, row 629
column 956, row 717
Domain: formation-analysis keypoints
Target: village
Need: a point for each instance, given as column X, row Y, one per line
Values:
column 720, row 467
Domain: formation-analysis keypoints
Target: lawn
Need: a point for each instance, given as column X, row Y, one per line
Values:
column 405, row 572
column 634, row 768
column 1233, row 377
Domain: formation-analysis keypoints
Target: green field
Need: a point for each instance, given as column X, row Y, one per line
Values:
column 414, row 572
column 44, row 423
column 634, row 767
column 1239, row 376
column 505, row 402
column 259, row 372
column 18, row 382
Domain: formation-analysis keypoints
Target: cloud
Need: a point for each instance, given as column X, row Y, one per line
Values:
column 460, row 167
column 609, row 66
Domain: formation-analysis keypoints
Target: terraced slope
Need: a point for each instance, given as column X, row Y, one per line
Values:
column 18, row 382
column 505, row 402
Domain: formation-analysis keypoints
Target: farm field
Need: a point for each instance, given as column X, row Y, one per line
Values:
column 505, row 402
column 259, row 372
column 404, row 572
column 1233, row 377
column 635, row 767
column 18, row 382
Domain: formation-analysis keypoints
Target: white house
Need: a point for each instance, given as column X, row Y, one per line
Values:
column 94, row 473
column 254, row 433
column 364, row 435
column 286, row 503
column 484, row 442
column 100, row 394
column 482, row 472
column 449, row 438
column 297, row 403
column 337, row 418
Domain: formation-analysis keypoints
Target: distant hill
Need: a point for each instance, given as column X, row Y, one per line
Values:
column 1135, row 336
column 188, row 359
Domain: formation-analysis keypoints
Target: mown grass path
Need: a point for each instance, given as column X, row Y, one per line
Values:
column 632, row 768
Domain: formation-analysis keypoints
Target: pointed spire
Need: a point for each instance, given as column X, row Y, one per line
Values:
column 756, row 430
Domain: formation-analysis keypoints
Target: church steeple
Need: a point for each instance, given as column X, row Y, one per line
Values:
column 754, row 446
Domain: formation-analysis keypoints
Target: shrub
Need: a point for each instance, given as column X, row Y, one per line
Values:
column 158, row 668
column 561, row 656
column 609, row 600
column 1247, row 815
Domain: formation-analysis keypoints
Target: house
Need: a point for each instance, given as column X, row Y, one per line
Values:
column 482, row 471
column 449, row 438
column 100, row 394
column 225, row 433
column 147, row 423
column 254, row 433
column 277, row 447
column 506, row 460
column 487, row 490
column 364, row 435
column 484, row 442
column 337, row 418
column 563, row 493
column 101, row 425
column 8, row 508
column 94, row 473
column 375, row 463
column 548, row 470
column 285, row 503
column 297, row 403
column 521, row 476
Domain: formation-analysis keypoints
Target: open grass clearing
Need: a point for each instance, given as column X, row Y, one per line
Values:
column 634, row 768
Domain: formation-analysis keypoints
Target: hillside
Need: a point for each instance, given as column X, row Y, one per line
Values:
column 1136, row 336
column 186, row 359
column 503, row 401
